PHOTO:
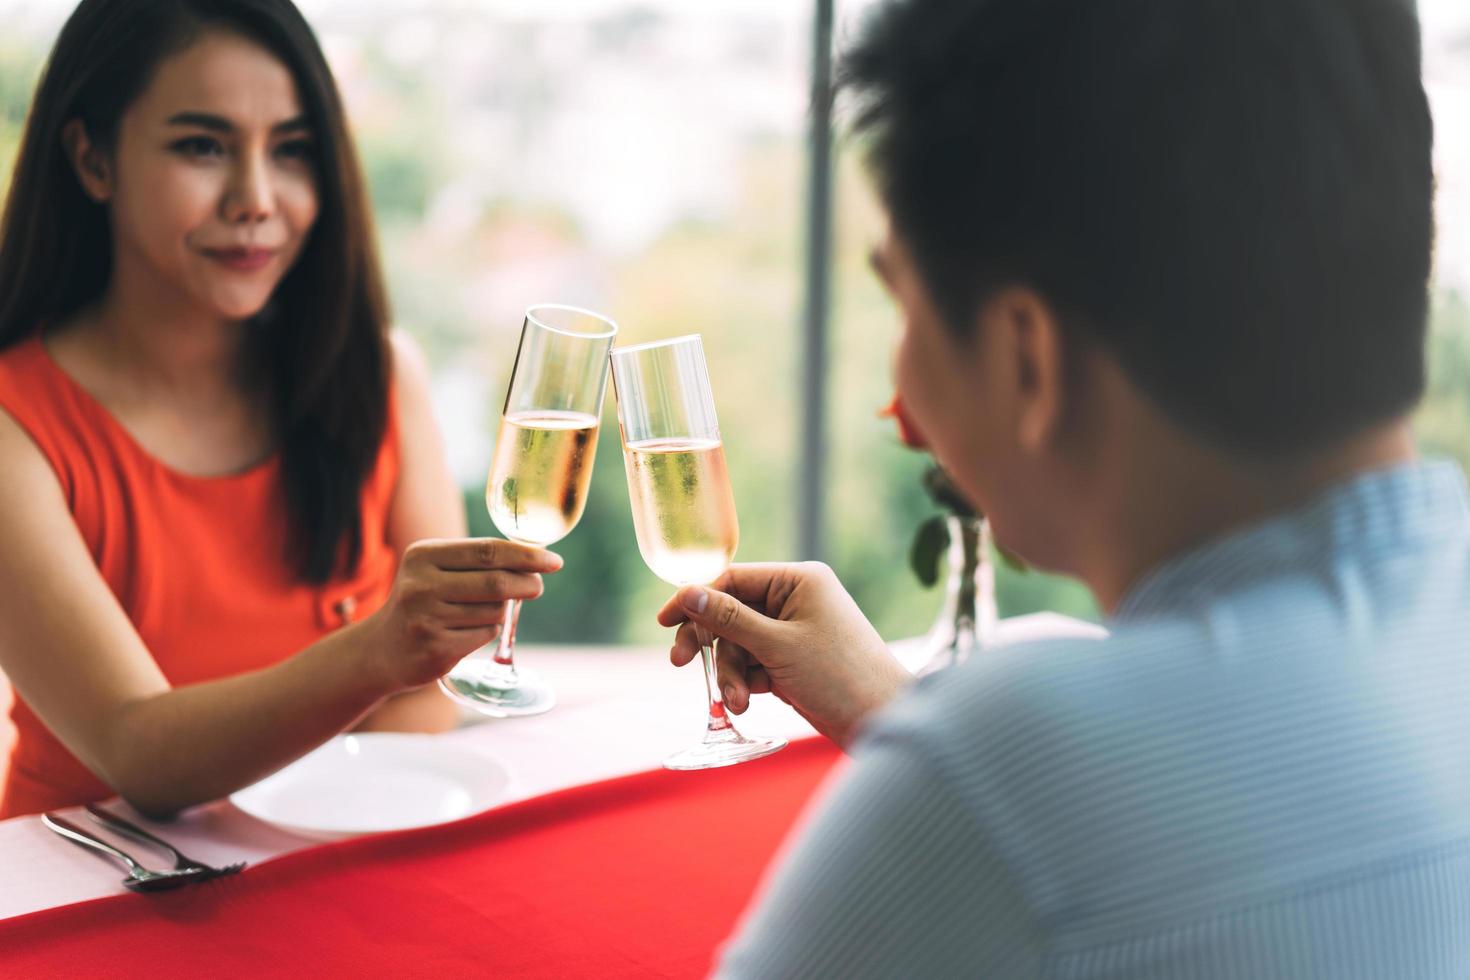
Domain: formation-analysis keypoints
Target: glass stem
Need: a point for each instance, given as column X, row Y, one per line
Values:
column 505, row 649
column 719, row 721
column 967, row 622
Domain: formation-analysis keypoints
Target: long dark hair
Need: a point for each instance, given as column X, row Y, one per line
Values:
column 320, row 344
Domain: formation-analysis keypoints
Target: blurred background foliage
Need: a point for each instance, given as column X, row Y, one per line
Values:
column 648, row 160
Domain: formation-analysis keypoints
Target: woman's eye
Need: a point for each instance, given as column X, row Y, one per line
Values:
column 197, row 147
column 295, row 150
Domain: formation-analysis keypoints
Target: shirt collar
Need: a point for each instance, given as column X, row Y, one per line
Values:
column 1394, row 506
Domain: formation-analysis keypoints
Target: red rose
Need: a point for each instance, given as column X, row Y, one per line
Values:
column 907, row 431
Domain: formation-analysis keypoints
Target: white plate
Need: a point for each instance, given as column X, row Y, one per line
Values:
column 373, row 782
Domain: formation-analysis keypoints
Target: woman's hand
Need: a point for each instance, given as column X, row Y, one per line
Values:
column 448, row 601
column 794, row 631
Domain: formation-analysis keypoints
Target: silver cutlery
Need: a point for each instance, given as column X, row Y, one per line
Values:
column 112, row 821
column 139, row 879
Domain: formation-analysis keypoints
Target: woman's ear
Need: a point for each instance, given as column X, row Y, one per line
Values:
column 92, row 166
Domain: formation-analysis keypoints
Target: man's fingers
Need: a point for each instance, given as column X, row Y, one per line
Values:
column 731, row 661
column 724, row 615
column 686, row 646
column 734, row 667
column 471, row 554
column 752, row 584
column 672, row 614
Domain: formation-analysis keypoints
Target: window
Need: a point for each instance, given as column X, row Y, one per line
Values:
column 649, row 159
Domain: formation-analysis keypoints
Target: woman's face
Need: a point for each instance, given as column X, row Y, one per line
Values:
column 211, row 185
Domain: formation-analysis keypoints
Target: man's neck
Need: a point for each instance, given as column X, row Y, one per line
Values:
column 1177, row 500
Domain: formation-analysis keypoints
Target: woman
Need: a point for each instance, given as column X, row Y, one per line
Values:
column 214, row 462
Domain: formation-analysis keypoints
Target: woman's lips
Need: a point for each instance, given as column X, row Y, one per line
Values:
column 241, row 259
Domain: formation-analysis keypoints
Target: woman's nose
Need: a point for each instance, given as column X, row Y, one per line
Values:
column 250, row 198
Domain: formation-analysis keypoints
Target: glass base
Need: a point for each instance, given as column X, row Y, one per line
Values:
column 496, row 690
column 724, row 748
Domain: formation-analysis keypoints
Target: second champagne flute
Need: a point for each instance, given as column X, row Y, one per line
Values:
column 683, row 507
column 538, row 481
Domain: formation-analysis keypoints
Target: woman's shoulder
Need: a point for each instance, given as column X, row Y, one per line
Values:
column 31, row 368
column 409, row 367
column 410, row 406
column 34, row 431
column 22, row 362
column 35, row 394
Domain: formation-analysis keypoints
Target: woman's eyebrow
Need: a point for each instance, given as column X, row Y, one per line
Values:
column 219, row 124
column 295, row 124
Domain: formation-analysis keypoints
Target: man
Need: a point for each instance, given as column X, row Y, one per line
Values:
column 1162, row 272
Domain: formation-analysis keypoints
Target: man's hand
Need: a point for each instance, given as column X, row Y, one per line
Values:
column 792, row 630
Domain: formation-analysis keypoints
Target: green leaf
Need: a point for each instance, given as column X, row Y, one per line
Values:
column 944, row 493
column 928, row 548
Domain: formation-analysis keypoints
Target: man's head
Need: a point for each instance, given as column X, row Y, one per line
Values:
column 1224, row 203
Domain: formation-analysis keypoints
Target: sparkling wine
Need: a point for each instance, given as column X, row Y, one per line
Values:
column 683, row 508
column 538, row 482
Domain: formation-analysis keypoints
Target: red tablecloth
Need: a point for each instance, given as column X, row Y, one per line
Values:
column 641, row 876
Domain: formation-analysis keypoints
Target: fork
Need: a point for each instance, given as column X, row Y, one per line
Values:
column 139, row 879
column 112, row 821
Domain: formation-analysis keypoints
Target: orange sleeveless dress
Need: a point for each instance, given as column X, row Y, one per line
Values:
column 196, row 562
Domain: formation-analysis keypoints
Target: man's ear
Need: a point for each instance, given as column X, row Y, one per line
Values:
column 1035, row 353
column 92, row 166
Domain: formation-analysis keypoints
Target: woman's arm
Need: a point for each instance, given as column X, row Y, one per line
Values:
column 426, row 504
column 71, row 652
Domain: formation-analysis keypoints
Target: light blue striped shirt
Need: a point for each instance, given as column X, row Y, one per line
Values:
column 1263, row 772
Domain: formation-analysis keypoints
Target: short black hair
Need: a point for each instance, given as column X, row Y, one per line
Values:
column 1233, row 196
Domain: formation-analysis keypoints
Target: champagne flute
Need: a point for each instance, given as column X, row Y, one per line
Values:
column 683, row 507
column 538, row 480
